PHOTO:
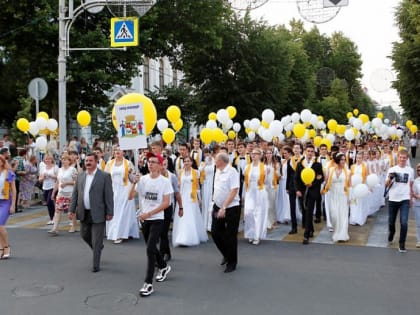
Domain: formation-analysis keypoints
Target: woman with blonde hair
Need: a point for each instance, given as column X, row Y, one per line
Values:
column 272, row 169
column 7, row 204
column 48, row 177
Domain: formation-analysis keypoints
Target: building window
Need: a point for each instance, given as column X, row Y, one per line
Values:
column 175, row 78
column 146, row 75
column 161, row 74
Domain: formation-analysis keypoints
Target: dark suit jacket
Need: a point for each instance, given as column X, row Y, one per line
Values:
column 100, row 194
column 315, row 190
column 290, row 179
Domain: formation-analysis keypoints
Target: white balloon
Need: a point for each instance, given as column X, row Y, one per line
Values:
column 314, row 120
column 246, row 123
column 229, row 124
column 162, row 124
column 268, row 115
column 372, row 180
column 33, row 128
column 305, row 115
column 267, row 136
column 351, row 119
column 386, row 121
column 236, row 127
column 392, row 131
column 305, row 137
column 295, row 117
column 321, row 125
column 376, row 122
column 251, row 135
column 399, row 133
column 254, row 124
column 289, row 126
column 41, row 142
column 330, row 137
column 285, row 120
column 41, row 123
column 357, row 123
column 211, row 124
column 222, row 116
column 52, row 124
column 260, row 131
column 349, row 134
column 276, row 128
column 356, row 179
column 281, row 137
column 361, row 190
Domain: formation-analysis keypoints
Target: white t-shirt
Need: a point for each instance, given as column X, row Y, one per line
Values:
column 151, row 192
column 400, row 190
column 416, row 191
column 49, row 177
column 225, row 181
column 65, row 176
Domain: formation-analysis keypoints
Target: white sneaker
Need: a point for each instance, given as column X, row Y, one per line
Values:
column 118, row 241
column 146, row 290
column 255, row 242
column 50, row 222
column 162, row 273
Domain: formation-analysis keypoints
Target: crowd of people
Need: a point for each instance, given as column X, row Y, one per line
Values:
column 199, row 189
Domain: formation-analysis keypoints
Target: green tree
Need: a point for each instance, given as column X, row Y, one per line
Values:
column 405, row 56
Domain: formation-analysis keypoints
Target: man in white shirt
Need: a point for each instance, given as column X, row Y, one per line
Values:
column 413, row 146
column 400, row 185
column 226, row 211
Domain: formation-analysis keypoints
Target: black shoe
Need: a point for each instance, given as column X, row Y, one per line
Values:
column 229, row 269
column 317, row 220
column 96, row 269
column 305, row 241
column 223, row 262
column 391, row 237
column 311, row 234
column 402, row 249
column 293, row 231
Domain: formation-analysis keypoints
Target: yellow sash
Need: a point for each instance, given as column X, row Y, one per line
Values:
column 247, row 159
column 275, row 177
column 125, row 163
column 332, row 173
column 194, row 184
column 196, row 157
column 260, row 180
column 294, row 161
column 391, row 159
column 103, row 164
column 202, row 173
column 5, row 191
column 364, row 170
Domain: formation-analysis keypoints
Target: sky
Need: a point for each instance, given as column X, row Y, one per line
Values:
column 370, row 24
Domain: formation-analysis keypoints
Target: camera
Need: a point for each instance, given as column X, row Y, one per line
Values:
column 392, row 175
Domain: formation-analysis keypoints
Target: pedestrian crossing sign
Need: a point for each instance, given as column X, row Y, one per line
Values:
column 124, row 32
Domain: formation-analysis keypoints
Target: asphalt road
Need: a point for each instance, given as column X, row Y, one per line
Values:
column 51, row 275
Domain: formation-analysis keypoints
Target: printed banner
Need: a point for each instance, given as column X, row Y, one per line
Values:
column 131, row 126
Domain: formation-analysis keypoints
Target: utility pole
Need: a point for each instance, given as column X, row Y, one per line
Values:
column 62, row 119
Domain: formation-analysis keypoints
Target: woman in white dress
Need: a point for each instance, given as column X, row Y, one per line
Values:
column 283, row 202
column 66, row 179
column 207, row 169
column 272, row 171
column 358, row 206
column 256, row 200
column 188, row 228
column 338, row 186
column 375, row 193
column 124, row 224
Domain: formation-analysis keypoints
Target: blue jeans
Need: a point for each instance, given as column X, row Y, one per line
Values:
column 417, row 212
column 393, row 207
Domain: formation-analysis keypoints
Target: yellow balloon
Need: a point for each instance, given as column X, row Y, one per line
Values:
column 327, row 142
column 317, row 140
column 212, row 116
column 355, row 131
column 307, row 175
column 312, row 133
column 231, row 134
column 173, row 113
column 265, row 124
column 332, row 124
column 168, row 135
column 408, row 123
column 355, row 112
column 248, row 130
column 340, row 129
column 413, row 128
column 349, row 115
column 299, row 130
column 83, row 118
column 178, row 125
column 320, row 118
column 231, row 111
column 22, row 124
column 288, row 133
column 364, row 118
column 380, row 115
column 43, row 114
column 218, row 135
column 114, row 118
column 206, row 135
column 150, row 114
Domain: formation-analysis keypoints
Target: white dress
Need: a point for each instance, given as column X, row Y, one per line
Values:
column 283, row 203
column 255, row 207
column 206, row 194
column 271, row 193
column 188, row 230
column 358, row 206
column 375, row 193
column 124, row 223
column 338, row 207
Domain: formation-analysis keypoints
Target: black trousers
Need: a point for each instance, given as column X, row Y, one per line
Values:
column 151, row 232
column 309, row 210
column 93, row 235
column 318, row 205
column 164, row 247
column 413, row 152
column 292, row 202
column 225, row 233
